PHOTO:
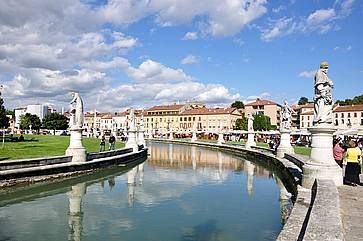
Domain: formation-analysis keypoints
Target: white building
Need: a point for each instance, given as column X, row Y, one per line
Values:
column 39, row 110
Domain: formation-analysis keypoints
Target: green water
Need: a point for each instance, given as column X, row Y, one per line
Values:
column 180, row 193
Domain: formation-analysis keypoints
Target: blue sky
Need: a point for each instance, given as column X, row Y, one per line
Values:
column 122, row 53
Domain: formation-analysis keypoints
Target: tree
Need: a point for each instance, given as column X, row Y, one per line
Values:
column 261, row 122
column 303, row 100
column 238, row 104
column 241, row 124
column 29, row 119
column 55, row 121
column 355, row 101
column 4, row 120
column 10, row 112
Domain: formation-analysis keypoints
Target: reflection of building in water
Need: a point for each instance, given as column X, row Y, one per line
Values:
column 250, row 169
column 170, row 152
column 194, row 159
column 131, row 175
column 285, row 201
column 220, row 167
column 75, row 211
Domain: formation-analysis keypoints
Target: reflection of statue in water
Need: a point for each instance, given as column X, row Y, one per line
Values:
column 323, row 109
column 76, row 111
column 286, row 116
column 75, row 216
column 250, row 120
column 250, row 169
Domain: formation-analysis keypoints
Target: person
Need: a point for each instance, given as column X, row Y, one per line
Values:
column 338, row 152
column 352, row 169
column 111, row 142
column 102, row 143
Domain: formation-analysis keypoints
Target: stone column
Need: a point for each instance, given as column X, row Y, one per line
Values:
column 285, row 144
column 131, row 140
column 75, row 216
column 76, row 149
column 250, row 139
column 220, row 138
column 321, row 163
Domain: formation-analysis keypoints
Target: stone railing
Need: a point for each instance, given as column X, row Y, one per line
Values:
column 97, row 155
column 33, row 162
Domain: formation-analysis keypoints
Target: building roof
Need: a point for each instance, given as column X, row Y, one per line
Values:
column 209, row 111
column 165, row 107
column 348, row 108
column 307, row 113
column 261, row 102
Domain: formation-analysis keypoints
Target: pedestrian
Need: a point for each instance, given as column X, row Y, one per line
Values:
column 338, row 152
column 111, row 142
column 102, row 143
column 352, row 169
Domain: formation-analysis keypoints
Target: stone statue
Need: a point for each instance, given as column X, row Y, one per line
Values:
column 323, row 101
column 250, row 119
column 286, row 117
column 132, row 119
column 76, row 111
column 141, row 123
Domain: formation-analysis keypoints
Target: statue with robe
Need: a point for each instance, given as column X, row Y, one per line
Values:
column 286, row 117
column 76, row 111
column 323, row 101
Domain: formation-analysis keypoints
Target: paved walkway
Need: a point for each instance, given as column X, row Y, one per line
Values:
column 351, row 204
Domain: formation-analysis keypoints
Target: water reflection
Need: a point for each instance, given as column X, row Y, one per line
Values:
column 180, row 193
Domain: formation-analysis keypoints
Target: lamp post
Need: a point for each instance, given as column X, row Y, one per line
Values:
column 1, row 89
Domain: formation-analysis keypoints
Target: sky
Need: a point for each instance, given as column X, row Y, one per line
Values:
column 140, row 53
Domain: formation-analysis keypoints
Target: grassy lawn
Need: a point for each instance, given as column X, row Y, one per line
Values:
column 41, row 146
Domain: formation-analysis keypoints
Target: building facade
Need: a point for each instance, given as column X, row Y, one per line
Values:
column 267, row 108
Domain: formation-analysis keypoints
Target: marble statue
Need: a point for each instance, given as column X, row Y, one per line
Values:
column 323, row 109
column 76, row 111
column 286, row 116
column 250, row 119
column 132, row 119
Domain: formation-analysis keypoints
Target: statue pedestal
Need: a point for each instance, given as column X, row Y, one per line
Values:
column 250, row 139
column 76, row 149
column 285, row 145
column 220, row 139
column 131, row 141
column 321, row 163
column 194, row 137
column 171, row 136
column 141, row 140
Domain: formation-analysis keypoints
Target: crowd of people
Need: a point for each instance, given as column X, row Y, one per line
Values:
column 348, row 155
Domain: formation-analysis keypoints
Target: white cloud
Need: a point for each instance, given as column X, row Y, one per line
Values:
column 320, row 16
column 320, row 21
column 190, row 36
column 278, row 9
column 307, row 74
column 190, row 59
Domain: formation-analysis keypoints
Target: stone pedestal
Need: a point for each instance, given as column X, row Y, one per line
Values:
column 220, row 139
column 171, row 136
column 285, row 145
column 250, row 139
column 321, row 163
column 76, row 149
column 141, row 140
column 194, row 137
column 131, row 141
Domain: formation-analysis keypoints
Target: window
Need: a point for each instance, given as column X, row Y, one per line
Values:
column 181, row 118
column 185, row 119
column 336, row 115
column 342, row 121
column 361, row 122
column 342, row 115
column 194, row 118
column 190, row 119
column 336, row 122
column 200, row 118
column 348, row 115
column 302, row 118
column 355, row 114
column 308, row 117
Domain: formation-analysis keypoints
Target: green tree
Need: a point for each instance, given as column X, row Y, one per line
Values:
column 10, row 112
column 261, row 122
column 241, row 124
column 4, row 120
column 238, row 104
column 29, row 119
column 55, row 121
column 355, row 101
column 303, row 100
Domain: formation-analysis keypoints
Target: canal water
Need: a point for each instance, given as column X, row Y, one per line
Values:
column 180, row 193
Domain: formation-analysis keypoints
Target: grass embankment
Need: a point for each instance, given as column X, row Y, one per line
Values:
column 42, row 146
column 301, row 150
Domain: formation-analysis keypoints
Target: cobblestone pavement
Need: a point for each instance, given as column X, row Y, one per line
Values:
column 351, row 204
